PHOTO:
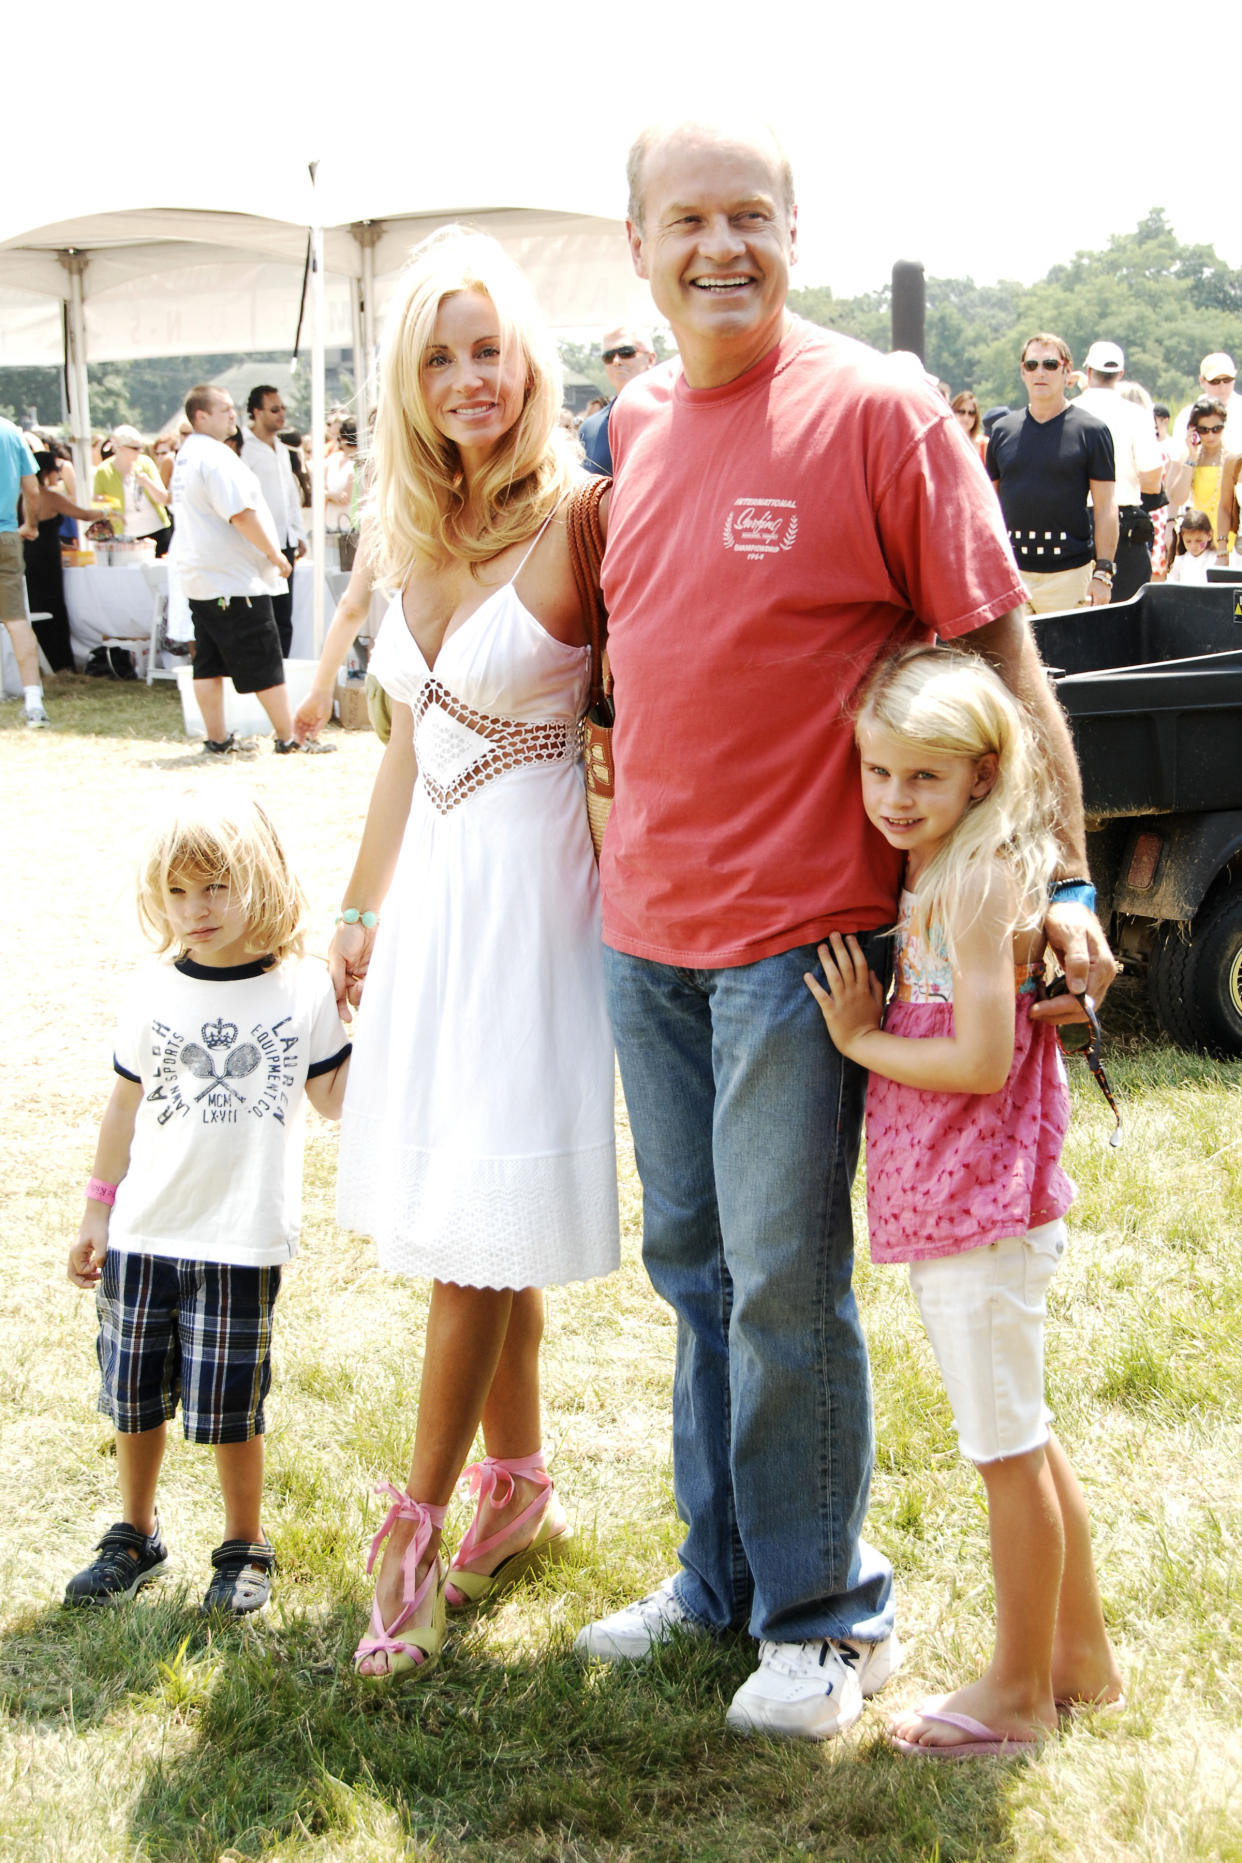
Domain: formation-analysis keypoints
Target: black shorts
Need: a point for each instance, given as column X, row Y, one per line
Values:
column 237, row 639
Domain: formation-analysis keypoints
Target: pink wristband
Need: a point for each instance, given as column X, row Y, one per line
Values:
column 100, row 1192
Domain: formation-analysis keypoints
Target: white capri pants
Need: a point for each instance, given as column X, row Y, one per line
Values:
column 984, row 1312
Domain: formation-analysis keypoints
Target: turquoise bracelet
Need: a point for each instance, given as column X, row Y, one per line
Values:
column 352, row 916
column 1072, row 893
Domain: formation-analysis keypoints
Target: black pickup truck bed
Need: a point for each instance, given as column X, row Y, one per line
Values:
column 1153, row 692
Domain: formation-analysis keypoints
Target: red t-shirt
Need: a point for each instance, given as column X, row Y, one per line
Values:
column 766, row 540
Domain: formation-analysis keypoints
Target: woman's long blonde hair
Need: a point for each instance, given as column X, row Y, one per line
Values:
column 419, row 500
column 224, row 836
column 953, row 702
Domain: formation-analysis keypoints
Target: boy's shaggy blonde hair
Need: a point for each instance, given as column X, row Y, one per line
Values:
column 419, row 500
column 224, row 837
column 953, row 702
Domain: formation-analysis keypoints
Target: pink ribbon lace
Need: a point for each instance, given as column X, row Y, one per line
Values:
column 494, row 1480
column 426, row 1520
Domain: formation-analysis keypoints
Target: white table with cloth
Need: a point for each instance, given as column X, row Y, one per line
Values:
column 116, row 603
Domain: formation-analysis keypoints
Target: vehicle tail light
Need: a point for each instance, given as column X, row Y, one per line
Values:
column 1143, row 862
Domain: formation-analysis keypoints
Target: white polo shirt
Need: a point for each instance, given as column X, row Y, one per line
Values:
column 210, row 485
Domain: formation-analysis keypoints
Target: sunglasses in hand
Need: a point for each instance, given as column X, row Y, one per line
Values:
column 1085, row 1039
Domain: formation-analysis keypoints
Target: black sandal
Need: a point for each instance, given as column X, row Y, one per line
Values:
column 127, row 1561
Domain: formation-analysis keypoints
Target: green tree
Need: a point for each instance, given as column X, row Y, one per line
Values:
column 868, row 317
column 584, row 359
column 1167, row 304
column 147, row 391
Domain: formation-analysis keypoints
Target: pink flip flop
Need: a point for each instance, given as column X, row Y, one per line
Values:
column 981, row 1742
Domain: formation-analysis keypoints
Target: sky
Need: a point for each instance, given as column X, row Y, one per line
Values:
column 984, row 142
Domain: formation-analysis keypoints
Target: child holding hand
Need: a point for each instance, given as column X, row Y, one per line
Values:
column 967, row 1108
column 196, row 1194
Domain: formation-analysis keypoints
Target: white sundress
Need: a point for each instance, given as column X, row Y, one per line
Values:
column 477, row 1139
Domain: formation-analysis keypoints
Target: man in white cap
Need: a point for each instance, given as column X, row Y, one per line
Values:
column 1217, row 377
column 1139, row 467
column 131, row 479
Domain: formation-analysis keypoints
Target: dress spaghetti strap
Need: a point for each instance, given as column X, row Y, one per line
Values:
column 535, row 539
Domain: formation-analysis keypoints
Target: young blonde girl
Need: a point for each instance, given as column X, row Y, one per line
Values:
column 967, row 1107
column 195, row 1198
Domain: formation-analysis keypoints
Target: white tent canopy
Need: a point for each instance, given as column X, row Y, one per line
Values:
column 112, row 283
column 214, row 275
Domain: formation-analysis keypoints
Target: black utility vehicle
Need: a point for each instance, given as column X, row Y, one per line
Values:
column 1153, row 691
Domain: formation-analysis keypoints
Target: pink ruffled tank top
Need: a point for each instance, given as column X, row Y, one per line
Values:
column 947, row 1172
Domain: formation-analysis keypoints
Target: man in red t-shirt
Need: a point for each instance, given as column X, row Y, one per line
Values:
column 787, row 505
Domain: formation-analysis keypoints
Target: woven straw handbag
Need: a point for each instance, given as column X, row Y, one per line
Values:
column 586, row 552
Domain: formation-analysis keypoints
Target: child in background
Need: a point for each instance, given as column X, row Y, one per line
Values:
column 196, row 1194
column 1193, row 556
column 967, row 1107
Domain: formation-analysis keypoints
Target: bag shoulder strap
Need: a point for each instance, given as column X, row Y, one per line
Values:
column 586, row 553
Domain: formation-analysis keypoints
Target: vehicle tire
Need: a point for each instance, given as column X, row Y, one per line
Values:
column 1216, row 978
column 1195, row 985
column 1169, row 988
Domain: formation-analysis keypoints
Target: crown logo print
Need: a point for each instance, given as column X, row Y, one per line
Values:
column 219, row 1034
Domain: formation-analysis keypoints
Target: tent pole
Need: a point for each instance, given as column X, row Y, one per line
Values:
column 367, row 233
column 75, row 264
column 318, row 411
column 360, row 379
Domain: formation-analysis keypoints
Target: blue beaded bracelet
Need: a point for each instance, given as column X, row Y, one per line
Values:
column 352, row 916
column 1072, row 893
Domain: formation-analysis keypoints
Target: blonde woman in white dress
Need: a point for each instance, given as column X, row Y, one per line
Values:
column 477, row 1138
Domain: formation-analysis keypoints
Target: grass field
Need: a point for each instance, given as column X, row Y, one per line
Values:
column 142, row 1734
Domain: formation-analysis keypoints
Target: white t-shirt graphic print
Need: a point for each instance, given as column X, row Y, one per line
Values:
column 223, row 1057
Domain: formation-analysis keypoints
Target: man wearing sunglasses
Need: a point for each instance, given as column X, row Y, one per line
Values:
column 625, row 356
column 1045, row 464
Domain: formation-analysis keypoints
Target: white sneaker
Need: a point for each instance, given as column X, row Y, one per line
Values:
column 630, row 1635
column 811, row 1691
column 875, row 1663
column 36, row 717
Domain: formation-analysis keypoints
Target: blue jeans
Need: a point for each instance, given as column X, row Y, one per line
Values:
column 746, row 1126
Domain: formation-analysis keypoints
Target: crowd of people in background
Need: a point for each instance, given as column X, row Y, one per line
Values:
column 1200, row 453
column 1174, row 497
column 48, row 520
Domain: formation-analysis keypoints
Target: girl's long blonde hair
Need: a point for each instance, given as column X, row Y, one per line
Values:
column 224, row 837
column 954, row 703
column 419, row 500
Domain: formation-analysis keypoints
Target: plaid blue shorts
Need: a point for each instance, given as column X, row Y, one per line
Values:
column 198, row 1332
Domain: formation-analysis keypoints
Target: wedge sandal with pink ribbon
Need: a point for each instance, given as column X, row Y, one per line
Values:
column 414, row 1638
column 494, row 1480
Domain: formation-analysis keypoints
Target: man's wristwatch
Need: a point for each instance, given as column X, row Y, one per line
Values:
column 1105, row 569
